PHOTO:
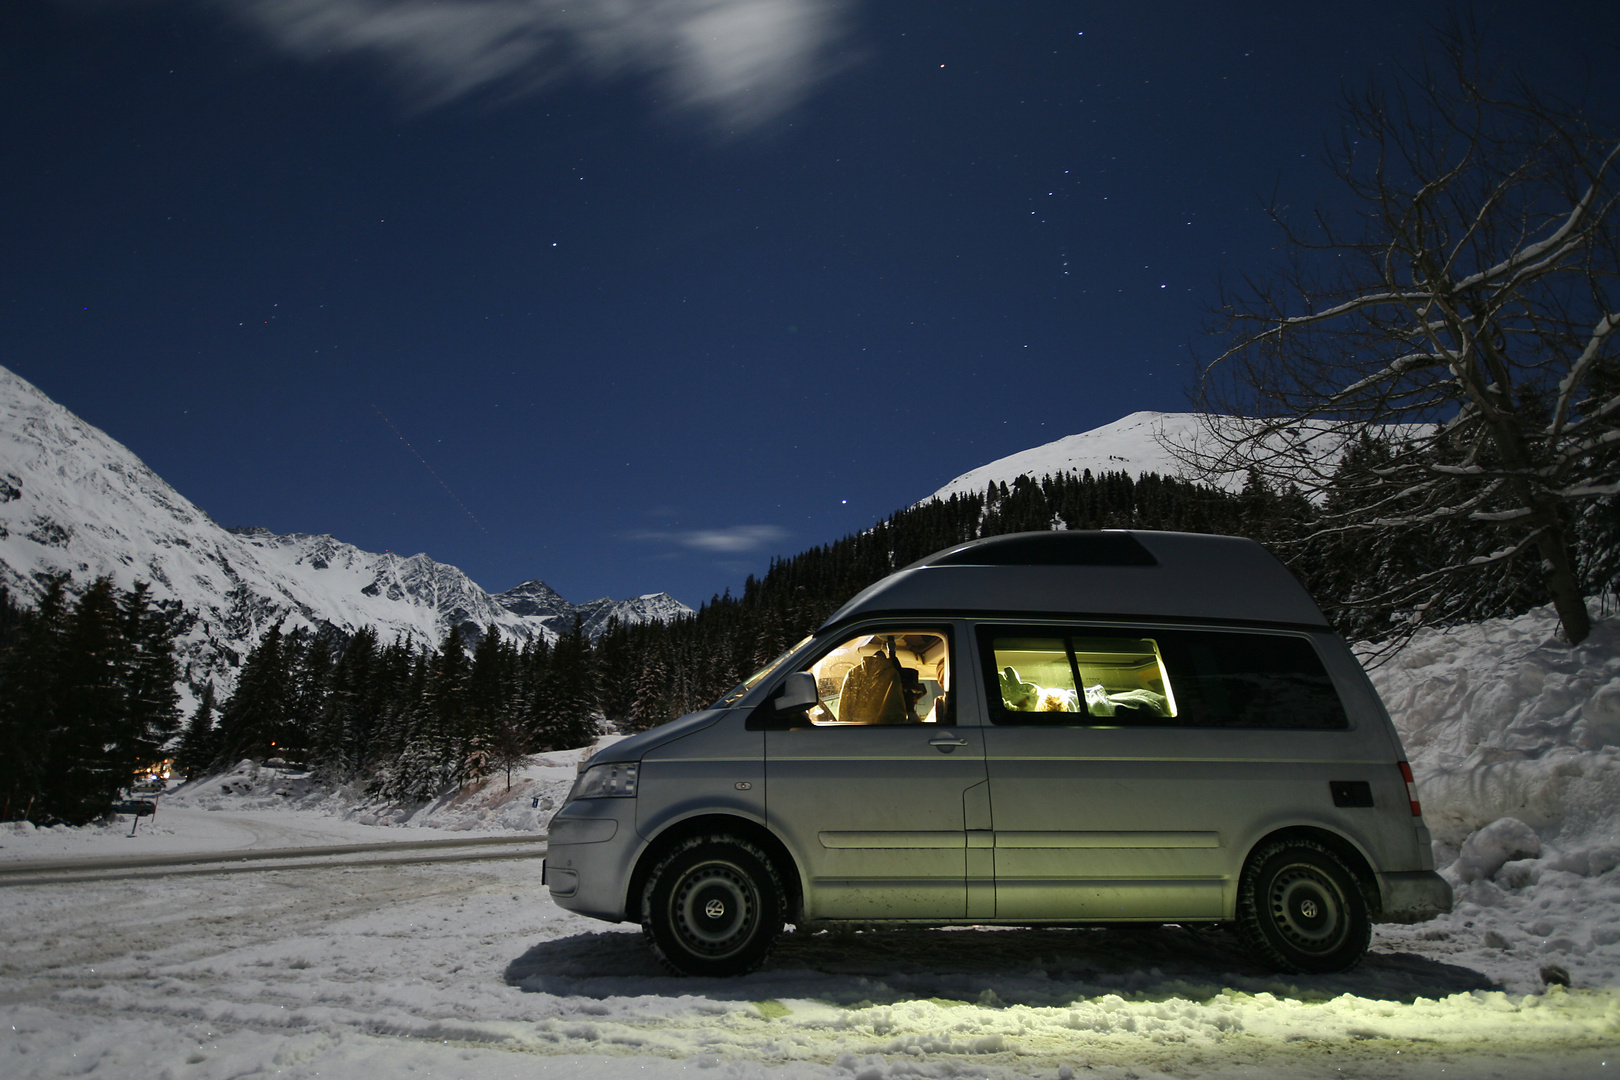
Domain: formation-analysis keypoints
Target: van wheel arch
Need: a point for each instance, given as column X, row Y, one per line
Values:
column 1301, row 909
column 1347, row 852
column 742, row 828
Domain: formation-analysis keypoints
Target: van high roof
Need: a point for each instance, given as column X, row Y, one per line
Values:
column 1132, row 574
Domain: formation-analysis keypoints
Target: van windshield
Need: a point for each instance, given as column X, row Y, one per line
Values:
column 736, row 692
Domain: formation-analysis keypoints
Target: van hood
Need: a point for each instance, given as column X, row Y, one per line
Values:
column 639, row 745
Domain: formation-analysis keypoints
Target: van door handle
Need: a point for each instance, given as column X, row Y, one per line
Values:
column 946, row 743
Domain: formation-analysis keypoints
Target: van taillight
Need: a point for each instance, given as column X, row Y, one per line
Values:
column 1411, row 788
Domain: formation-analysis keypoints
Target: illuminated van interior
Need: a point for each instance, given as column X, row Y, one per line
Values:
column 899, row 677
column 1097, row 676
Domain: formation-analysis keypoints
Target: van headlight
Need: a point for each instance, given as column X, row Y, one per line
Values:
column 615, row 780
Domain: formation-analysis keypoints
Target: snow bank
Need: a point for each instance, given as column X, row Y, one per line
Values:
column 491, row 803
column 1502, row 719
column 1514, row 738
column 1503, row 841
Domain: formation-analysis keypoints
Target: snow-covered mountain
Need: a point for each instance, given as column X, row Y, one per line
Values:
column 1148, row 442
column 74, row 500
column 537, row 600
column 358, row 579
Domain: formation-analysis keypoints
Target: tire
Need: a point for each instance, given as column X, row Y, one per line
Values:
column 712, row 906
column 1299, row 908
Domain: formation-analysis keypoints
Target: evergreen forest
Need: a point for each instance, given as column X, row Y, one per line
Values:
column 87, row 698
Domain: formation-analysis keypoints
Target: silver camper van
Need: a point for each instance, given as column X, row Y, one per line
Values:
column 1058, row 728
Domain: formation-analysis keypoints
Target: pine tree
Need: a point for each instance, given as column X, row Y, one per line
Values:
column 199, row 743
column 342, row 734
column 652, row 690
column 449, row 726
column 490, row 704
column 90, row 759
column 28, row 672
column 152, row 703
column 433, row 756
column 565, row 705
column 406, row 673
column 311, row 656
column 255, row 715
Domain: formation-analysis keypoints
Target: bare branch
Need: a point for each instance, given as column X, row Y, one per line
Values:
column 1460, row 340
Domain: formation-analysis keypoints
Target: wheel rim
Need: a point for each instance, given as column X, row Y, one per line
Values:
column 1308, row 910
column 715, row 908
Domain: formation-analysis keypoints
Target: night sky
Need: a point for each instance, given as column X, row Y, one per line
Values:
column 633, row 296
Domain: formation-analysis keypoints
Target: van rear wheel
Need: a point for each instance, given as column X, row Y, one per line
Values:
column 1300, row 909
column 712, row 906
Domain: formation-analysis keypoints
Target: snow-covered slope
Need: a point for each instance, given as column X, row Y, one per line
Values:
column 1132, row 445
column 1147, row 442
column 74, row 500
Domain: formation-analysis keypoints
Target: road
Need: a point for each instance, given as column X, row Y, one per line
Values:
column 251, row 860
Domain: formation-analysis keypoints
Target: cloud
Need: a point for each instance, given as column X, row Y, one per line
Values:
column 734, row 541
column 740, row 62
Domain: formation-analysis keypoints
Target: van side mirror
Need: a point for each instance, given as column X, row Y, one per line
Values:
column 798, row 692
column 787, row 708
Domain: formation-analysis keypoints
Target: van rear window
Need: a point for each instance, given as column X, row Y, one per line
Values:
column 1167, row 677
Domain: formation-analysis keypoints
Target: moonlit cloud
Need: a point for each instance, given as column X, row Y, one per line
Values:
column 740, row 62
column 738, row 540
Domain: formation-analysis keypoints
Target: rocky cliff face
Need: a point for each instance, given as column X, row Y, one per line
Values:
column 73, row 500
column 534, row 599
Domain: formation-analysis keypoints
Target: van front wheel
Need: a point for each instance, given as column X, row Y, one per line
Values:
column 712, row 906
column 1300, row 909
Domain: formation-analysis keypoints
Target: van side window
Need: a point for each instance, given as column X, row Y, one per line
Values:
column 1233, row 679
column 899, row 676
column 1184, row 678
column 1064, row 678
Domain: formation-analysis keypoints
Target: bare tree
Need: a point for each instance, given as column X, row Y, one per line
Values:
column 1464, row 317
column 509, row 749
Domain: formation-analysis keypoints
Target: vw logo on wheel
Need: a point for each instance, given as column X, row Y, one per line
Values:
column 1308, row 909
column 714, row 909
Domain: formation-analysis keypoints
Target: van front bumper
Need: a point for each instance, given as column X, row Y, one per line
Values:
column 590, row 852
column 1413, row 896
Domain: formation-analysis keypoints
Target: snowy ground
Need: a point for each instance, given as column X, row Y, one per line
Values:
column 468, row 969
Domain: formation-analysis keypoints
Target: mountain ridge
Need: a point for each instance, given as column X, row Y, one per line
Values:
column 1130, row 444
column 74, row 500
column 1161, row 442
